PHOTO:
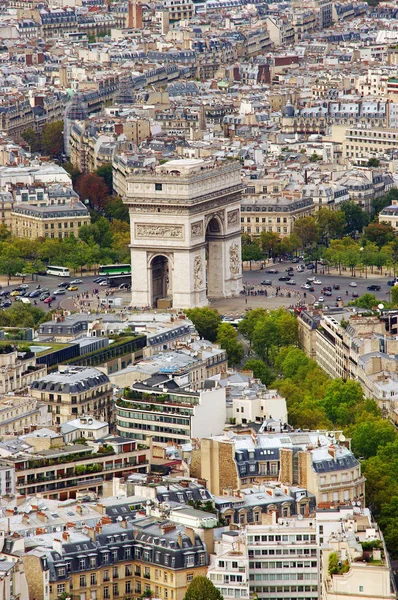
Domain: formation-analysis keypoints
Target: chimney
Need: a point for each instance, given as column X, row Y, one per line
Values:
column 66, row 536
column 179, row 540
column 92, row 533
column 123, row 524
column 57, row 545
column 191, row 534
column 168, row 527
column 332, row 451
column 79, row 509
column 41, row 516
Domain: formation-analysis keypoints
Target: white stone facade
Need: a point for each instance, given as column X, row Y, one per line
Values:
column 185, row 232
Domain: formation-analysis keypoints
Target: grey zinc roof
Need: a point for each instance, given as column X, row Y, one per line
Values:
column 73, row 380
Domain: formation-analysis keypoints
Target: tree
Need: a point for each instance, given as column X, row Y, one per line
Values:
column 22, row 315
column 115, row 208
column 251, row 251
column 330, row 224
column 382, row 201
column 373, row 163
column 92, row 188
column 105, row 171
column 367, row 301
column 355, row 217
column 73, row 172
column 99, row 232
column 306, row 230
column 227, row 337
column 379, row 233
column 201, row 588
column 368, row 436
column 394, row 295
column 10, row 261
column 340, row 401
column 260, row 370
column 206, row 321
column 32, row 139
column 270, row 242
column 52, row 139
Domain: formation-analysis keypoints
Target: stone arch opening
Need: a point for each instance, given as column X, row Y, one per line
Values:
column 214, row 257
column 160, row 275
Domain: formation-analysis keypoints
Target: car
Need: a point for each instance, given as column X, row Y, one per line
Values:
column 59, row 292
column 310, row 266
column 352, row 284
column 311, row 289
column 64, row 284
column 23, row 300
column 336, row 286
column 354, row 294
column 305, row 286
column 23, row 286
column 339, row 298
column 328, row 288
column 272, row 271
column 4, row 293
column 295, row 260
column 266, row 282
column 35, row 294
column 103, row 282
column 15, row 293
column 289, row 269
column 300, row 268
column 291, row 282
column 327, row 293
column 76, row 281
column 72, row 288
column 310, row 279
column 98, row 279
column 391, row 282
column 6, row 304
column 317, row 282
column 44, row 296
column 374, row 288
column 127, row 286
column 284, row 278
column 321, row 299
column 49, row 299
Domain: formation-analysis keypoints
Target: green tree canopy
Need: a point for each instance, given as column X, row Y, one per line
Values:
column 356, row 218
column 201, row 588
column 105, row 171
column 227, row 337
column 52, row 139
column 259, row 369
column 379, row 233
column 330, row 224
column 206, row 321
column 367, row 300
column 306, row 230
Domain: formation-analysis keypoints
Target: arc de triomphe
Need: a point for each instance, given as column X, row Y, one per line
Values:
column 185, row 232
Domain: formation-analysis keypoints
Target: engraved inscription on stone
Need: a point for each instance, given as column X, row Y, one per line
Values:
column 197, row 229
column 173, row 232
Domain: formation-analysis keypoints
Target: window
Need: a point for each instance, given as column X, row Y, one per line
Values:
column 82, row 564
column 106, row 592
column 128, row 587
column 127, row 571
column 361, row 588
column 82, row 581
column 60, row 588
column 158, row 187
column 93, row 579
column 189, row 577
column 115, row 589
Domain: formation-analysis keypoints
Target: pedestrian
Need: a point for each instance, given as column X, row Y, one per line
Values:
column 246, row 300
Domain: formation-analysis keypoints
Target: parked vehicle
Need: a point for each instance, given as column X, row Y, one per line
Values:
column 352, row 284
column 374, row 288
column 272, row 271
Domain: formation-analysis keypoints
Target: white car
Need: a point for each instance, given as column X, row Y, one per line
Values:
column 352, row 284
column 291, row 282
column 321, row 299
column 317, row 282
column 305, row 286
column 103, row 283
column 311, row 279
column 76, row 281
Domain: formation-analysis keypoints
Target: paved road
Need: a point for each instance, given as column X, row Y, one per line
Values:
column 66, row 300
column 255, row 277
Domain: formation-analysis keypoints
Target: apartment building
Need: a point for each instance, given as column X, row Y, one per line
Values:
column 110, row 561
column 75, row 391
column 179, row 9
column 52, row 221
column 316, row 461
column 362, row 143
column 284, row 559
column 58, row 471
column 21, row 414
column 389, row 215
column 170, row 415
column 273, row 214
column 229, row 566
column 18, row 369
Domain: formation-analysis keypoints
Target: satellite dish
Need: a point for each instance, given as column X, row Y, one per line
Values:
column 359, row 503
column 380, row 306
column 342, row 437
column 148, row 503
column 299, row 517
column 353, row 503
column 59, row 529
column 119, row 518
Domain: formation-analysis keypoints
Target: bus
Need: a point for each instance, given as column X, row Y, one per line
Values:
column 114, row 270
column 115, row 281
column 60, row 271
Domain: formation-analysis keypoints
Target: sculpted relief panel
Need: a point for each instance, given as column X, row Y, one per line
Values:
column 198, row 272
column 234, row 259
column 171, row 232
column 233, row 217
column 197, row 229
